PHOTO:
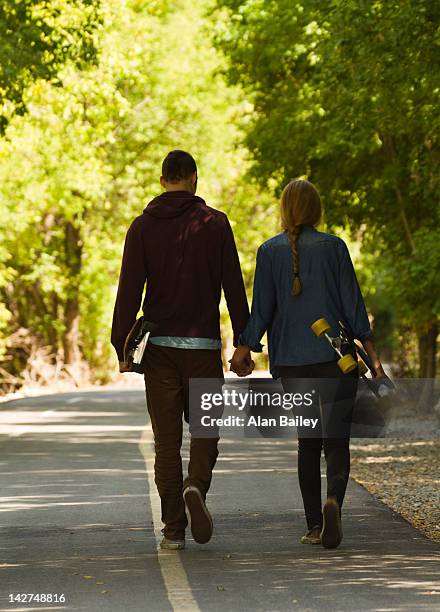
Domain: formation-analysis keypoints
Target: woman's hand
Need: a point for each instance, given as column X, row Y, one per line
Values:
column 241, row 362
column 380, row 372
column 372, row 354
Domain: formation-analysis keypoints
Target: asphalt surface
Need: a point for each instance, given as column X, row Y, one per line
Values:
column 80, row 519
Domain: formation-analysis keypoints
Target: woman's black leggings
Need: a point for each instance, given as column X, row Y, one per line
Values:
column 334, row 409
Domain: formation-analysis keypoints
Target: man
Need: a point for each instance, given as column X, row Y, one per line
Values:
column 185, row 253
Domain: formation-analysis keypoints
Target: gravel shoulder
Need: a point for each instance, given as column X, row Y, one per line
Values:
column 403, row 471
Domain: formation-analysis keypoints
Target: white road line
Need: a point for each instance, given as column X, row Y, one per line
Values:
column 179, row 591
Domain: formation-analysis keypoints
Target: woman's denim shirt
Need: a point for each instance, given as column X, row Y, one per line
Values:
column 330, row 290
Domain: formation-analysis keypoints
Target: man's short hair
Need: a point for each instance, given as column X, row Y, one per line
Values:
column 178, row 166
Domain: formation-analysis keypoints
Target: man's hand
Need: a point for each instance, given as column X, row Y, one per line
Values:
column 241, row 362
column 124, row 366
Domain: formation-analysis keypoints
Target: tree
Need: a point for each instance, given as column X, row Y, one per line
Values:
column 346, row 94
column 84, row 161
column 36, row 39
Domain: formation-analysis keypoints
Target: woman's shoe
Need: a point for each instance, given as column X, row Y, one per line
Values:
column 313, row 536
column 331, row 534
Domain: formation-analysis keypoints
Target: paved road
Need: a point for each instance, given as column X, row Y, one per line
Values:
column 80, row 517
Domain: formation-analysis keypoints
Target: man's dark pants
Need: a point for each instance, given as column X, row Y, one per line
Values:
column 167, row 375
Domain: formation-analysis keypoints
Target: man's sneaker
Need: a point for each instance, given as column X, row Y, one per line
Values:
column 331, row 534
column 199, row 518
column 167, row 544
column 313, row 536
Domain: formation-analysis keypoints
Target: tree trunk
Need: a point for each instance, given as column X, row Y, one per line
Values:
column 71, row 333
column 73, row 245
column 427, row 340
column 52, row 331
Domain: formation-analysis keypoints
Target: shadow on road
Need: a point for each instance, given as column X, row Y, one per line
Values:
column 75, row 517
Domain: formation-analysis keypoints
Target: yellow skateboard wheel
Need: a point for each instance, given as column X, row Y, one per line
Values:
column 362, row 367
column 320, row 327
column 347, row 364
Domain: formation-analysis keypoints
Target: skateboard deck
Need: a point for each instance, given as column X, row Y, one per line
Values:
column 352, row 356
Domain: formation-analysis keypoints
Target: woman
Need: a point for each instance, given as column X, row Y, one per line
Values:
column 303, row 275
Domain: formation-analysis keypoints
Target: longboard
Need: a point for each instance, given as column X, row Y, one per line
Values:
column 136, row 343
column 352, row 356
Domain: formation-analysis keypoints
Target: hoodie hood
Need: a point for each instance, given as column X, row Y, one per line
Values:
column 172, row 204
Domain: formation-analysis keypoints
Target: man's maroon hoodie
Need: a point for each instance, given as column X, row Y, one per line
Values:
column 185, row 252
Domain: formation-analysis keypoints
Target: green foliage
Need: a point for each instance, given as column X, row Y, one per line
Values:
column 347, row 94
column 37, row 37
column 85, row 160
column 93, row 94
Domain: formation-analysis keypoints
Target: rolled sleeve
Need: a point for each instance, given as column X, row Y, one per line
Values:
column 263, row 303
column 353, row 306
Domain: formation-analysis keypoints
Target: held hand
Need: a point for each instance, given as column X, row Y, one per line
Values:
column 241, row 362
column 244, row 369
column 124, row 366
